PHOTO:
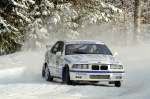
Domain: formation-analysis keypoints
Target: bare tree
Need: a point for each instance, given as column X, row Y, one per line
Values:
column 137, row 18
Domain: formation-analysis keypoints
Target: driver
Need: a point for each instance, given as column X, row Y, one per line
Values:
column 90, row 48
column 71, row 49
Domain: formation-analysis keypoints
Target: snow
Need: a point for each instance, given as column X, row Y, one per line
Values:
column 20, row 77
column 70, row 24
column 17, row 4
column 31, row 1
column 22, row 16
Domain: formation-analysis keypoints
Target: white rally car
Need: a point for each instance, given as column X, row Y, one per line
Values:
column 82, row 61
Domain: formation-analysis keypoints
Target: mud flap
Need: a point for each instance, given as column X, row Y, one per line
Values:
column 43, row 72
column 63, row 73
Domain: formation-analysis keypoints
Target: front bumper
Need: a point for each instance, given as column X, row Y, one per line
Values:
column 96, row 75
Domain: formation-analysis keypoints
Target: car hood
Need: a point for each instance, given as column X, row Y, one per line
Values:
column 92, row 58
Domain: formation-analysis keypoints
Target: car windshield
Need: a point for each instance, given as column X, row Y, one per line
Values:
column 87, row 49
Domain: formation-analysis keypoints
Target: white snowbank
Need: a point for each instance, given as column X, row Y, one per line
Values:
column 20, row 77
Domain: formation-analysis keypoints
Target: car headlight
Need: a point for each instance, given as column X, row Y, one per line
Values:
column 116, row 66
column 80, row 66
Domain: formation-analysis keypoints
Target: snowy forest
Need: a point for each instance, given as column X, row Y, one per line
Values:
column 30, row 23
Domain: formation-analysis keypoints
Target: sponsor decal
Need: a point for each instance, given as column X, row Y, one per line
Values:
column 81, row 55
column 57, row 60
column 57, row 63
column 94, row 56
column 112, row 58
column 67, row 60
column 78, row 76
column 81, row 74
column 76, row 57
column 114, row 62
column 51, row 66
column 82, row 62
column 85, row 42
column 117, row 74
column 70, row 42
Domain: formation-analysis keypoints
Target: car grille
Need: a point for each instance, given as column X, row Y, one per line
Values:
column 104, row 68
column 99, row 76
column 97, row 67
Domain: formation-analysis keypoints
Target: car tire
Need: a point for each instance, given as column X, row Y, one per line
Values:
column 67, row 77
column 117, row 83
column 47, row 74
column 73, row 83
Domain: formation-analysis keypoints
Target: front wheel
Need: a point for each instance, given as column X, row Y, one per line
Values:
column 67, row 77
column 117, row 83
column 48, row 75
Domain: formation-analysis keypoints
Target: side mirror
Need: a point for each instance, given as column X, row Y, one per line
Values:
column 58, row 53
column 115, row 53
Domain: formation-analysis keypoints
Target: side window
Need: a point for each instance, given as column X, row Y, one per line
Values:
column 57, row 47
column 54, row 48
column 61, row 46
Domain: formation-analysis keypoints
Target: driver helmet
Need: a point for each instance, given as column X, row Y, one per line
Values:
column 71, row 49
column 91, row 47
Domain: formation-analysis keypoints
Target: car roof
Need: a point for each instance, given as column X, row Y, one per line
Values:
column 67, row 41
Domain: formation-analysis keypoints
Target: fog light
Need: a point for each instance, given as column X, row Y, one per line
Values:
column 116, row 77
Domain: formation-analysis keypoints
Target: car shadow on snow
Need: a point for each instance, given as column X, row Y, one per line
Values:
column 104, row 84
column 93, row 84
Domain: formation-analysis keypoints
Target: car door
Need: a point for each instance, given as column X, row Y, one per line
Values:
column 59, row 59
column 55, row 61
column 52, row 58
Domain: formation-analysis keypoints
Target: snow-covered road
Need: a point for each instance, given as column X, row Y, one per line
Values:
column 20, row 78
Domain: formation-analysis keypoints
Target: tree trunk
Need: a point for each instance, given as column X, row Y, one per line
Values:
column 137, row 17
